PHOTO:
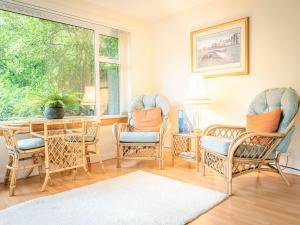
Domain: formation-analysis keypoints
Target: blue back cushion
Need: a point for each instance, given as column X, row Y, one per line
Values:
column 284, row 98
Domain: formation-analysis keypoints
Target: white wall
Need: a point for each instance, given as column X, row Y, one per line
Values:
column 274, row 57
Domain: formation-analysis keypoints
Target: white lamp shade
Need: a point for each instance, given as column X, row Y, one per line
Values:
column 89, row 97
column 197, row 91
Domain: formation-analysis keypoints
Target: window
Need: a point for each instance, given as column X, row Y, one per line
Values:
column 109, row 75
column 39, row 57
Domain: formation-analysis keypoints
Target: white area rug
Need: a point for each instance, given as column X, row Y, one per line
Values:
column 138, row 198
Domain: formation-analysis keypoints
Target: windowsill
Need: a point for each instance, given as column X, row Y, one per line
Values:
column 106, row 120
column 112, row 116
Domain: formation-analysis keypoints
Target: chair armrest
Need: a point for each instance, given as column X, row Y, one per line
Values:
column 164, row 130
column 117, row 128
column 257, row 144
column 224, row 131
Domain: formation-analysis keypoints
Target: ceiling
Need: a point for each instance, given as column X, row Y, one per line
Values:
column 150, row 10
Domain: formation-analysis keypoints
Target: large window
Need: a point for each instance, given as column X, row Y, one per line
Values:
column 40, row 57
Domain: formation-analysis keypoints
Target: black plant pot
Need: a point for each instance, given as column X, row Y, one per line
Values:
column 54, row 113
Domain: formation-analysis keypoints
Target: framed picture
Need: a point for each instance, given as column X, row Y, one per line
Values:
column 221, row 50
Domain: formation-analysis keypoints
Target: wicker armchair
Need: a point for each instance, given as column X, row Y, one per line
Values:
column 20, row 150
column 142, row 145
column 231, row 151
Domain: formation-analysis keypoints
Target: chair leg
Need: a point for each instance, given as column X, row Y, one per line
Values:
column 119, row 156
column 74, row 172
column 47, row 177
column 40, row 166
column 85, row 166
column 229, row 176
column 88, row 162
column 8, row 170
column 229, row 186
column 31, row 169
column 281, row 173
column 99, row 157
column 13, row 177
column 202, row 165
column 12, row 185
column 161, row 160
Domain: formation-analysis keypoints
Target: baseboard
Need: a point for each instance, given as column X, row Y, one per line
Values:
column 291, row 171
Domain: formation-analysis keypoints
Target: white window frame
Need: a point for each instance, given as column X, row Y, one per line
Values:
column 98, row 29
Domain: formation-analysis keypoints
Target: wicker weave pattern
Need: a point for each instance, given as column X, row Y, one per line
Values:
column 91, row 128
column 225, row 131
column 215, row 161
column 239, row 168
column 140, row 151
column 255, row 147
column 64, row 151
column 181, row 144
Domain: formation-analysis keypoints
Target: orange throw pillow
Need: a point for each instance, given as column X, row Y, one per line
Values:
column 147, row 120
column 267, row 122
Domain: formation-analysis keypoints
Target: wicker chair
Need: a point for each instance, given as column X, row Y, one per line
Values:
column 142, row 145
column 29, row 149
column 64, row 148
column 231, row 151
column 91, row 131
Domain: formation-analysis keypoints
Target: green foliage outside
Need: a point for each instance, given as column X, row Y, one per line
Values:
column 39, row 57
column 109, row 46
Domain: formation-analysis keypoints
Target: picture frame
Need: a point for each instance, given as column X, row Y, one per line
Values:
column 221, row 50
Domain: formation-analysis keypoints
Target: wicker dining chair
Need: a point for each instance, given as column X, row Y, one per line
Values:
column 19, row 150
column 92, row 129
column 64, row 149
column 231, row 151
column 142, row 145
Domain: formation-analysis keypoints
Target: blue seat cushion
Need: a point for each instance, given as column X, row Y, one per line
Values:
column 89, row 138
column 30, row 143
column 216, row 144
column 139, row 137
column 221, row 146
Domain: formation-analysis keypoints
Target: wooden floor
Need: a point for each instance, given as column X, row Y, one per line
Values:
column 263, row 199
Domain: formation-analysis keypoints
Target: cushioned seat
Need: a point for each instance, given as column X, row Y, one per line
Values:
column 30, row 143
column 139, row 137
column 216, row 144
column 221, row 146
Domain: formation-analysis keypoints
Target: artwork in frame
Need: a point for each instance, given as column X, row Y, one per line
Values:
column 221, row 50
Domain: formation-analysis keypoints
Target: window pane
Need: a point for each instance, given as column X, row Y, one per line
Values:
column 109, row 46
column 109, row 89
column 39, row 58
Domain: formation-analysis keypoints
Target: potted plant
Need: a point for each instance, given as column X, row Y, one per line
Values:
column 55, row 102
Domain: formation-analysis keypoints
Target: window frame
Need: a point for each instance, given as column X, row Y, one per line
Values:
column 98, row 29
